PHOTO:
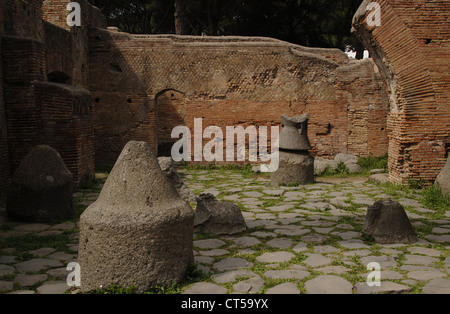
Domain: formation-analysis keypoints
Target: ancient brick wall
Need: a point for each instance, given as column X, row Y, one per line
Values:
column 22, row 63
column 38, row 112
column 412, row 50
column 22, row 18
column 4, row 163
column 59, row 57
column 367, row 109
column 72, row 51
column 232, row 81
column 143, row 86
column 65, row 123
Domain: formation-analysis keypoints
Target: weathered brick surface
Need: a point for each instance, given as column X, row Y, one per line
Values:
column 4, row 163
column 142, row 86
column 412, row 50
column 233, row 81
column 21, row 32
column 65, row 118
column 22, row 18
column 23, row 62
column 33, row 111
column 70, row 48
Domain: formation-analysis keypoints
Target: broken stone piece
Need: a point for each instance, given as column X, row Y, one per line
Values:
column 168, row 168
column 387, row 222
column 139, row 232
column 41, row 188
column 218, row 217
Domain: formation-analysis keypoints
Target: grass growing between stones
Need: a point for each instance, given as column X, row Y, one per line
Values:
column 429, row 197
column 193, row 274
column 433, row 198
column 237, row 181
column 369, row 163
column 28, row 242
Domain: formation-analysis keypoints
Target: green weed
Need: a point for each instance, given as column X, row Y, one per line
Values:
column 370, row 162
column 433, row 198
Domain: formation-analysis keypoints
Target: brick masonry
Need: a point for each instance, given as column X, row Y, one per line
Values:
column 66, row 122
column 142, row 86
column 4, row 162
column 232, row 81
column 412, row 51
column 32, row 110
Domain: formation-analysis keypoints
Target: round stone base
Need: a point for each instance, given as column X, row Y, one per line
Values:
column 294, row 168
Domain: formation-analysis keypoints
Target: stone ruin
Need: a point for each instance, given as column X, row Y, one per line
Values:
column 211, row 215
column 296, row 165
column 41, row 188
column 217, row 217
column 86, row 91
column 387, row 222
column 168, row 167
column 140, row 231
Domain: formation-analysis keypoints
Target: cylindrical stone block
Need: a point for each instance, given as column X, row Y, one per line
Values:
column 295, row 168
column 139, row 232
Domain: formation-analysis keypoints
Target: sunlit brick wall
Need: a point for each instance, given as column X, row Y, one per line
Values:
column 412, row 50
column 232, row 81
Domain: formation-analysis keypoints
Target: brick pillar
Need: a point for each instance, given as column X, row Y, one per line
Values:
column 411, row 48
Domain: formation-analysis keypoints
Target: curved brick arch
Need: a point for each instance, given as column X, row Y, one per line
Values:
column 410, row 48
column 170, row 108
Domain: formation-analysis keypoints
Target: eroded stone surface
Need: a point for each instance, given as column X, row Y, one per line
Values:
column 341, row 248
column 328, row 284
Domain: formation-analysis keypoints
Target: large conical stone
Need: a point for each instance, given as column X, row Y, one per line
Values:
column 41, row 188
column 387, row 222
column 139, row 232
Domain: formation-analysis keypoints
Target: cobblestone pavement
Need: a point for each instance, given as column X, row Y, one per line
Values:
column 299, row 240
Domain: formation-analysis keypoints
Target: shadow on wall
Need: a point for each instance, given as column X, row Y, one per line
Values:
column 123, row 109
column 171, row 112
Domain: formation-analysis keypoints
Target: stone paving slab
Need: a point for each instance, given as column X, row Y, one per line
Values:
column 252, row 285
column 53, row 287
column 385, row 287
column 303, row 239
column 205, row 288
column 328, row 284
column 287, row 274
column 284, row 288
column 232, row 263
column 275, row 257
column 437, row 286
